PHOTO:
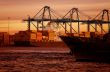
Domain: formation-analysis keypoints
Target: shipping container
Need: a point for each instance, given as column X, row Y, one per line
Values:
column 25, row 37
column 87, row 34
column 11, row 39
column 4, row 39
column 76, row 34
column 39, row 36
column 51, row 36
column 81, row 35
column 70, row 34
column 33, row 36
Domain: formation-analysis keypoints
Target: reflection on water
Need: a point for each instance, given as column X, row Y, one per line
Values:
column 36, row 62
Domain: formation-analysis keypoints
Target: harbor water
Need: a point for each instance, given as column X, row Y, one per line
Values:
column 47, row 62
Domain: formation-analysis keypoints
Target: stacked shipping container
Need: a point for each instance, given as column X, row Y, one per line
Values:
column 26, row 38
column 4, row 39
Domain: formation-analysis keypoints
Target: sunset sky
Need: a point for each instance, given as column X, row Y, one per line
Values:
column 20, row 9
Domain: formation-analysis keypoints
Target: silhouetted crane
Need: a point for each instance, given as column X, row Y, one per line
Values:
column 72, row 17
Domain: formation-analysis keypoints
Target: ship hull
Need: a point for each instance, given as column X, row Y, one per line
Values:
column 86, row 49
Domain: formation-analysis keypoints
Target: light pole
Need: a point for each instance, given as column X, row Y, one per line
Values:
column 9, row 28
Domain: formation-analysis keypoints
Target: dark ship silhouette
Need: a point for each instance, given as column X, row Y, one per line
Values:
column 92, row 48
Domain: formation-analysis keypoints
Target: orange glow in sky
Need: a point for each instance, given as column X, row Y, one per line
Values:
column 20, row 9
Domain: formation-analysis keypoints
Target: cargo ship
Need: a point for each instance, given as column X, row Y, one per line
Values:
column 93, row 48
